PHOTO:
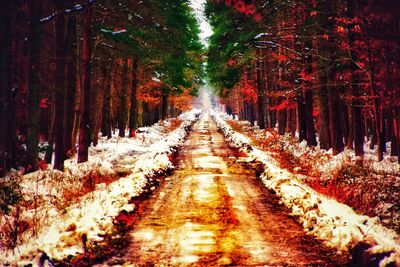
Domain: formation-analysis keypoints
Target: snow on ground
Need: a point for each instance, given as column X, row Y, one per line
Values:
column 61, row 230
column 372, row 188
column 334, row 223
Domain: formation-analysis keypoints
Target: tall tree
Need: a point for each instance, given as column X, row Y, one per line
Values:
column 33, row 98
column 123, row 112
column 133, row 116
column 358, row 136
column 85, row 124
column 70, row 84
column 60, row 38
column 6, row 100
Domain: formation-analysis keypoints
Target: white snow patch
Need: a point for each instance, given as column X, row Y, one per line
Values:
column 334, row 223
column 61, row 233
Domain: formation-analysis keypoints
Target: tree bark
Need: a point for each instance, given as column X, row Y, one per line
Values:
column 301, row 116
column 106, row 125
column 356, row 90
column 326, row 48
column 311, row 137
column 380, row 137
column 59, row 152
column 164, row 105
column 5, row 88
column 70, row 85
column 33, row 122
column 85, row 124
column 122, row 118
column 260, row 90
column 133, row 116
column 335, row 126
column 324, row 133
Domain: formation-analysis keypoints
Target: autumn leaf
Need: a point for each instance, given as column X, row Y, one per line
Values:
column 44, row 103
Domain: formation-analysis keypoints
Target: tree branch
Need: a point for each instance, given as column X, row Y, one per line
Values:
column 74, row 9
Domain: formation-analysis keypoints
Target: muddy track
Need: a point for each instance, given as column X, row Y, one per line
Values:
column 213, row 211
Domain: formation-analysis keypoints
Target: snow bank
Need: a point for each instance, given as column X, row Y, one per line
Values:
column 92, row 217
column 334, row 223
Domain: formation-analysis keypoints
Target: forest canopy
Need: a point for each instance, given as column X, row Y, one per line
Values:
column 86, row 67
column 327, row 69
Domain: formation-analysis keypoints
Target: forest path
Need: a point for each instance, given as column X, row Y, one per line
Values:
column 213, row 212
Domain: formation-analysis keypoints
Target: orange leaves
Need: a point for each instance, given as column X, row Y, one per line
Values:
column 150, row 93
column 340, row 29
column 183, row 101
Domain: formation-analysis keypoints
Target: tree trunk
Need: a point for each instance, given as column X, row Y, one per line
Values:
column 49, row 151
column 335, row 126
column 33, row 99
column 59, row 153
column 311, row 137
column 356, row 90
column 123, row 108
column 164, row 105
column 282, row 121
column 6, row 114
column 377, row 115
column 106, row 125
column 70, row 86
column 301, row 116
column 260, row 91
column 396, row 135
column 146, row 114
column 133, row 116
column 324, row 134
column 85, row 124
column 345, row 122
column 99, row 100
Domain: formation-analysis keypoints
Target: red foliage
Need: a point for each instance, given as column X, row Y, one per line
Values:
column 42, row 165
column 124, row 219
column 245, row 7
column 306, row 76
column 285, row 104
column 44, row 103
column 249, row 92
column 340, row 29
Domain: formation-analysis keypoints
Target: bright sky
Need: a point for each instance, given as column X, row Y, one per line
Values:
column 206, row 31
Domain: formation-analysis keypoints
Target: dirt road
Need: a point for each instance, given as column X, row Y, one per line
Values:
column 214, row 212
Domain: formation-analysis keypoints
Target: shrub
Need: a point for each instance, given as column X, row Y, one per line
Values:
column 10, row 193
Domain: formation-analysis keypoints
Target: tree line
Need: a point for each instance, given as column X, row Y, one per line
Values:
column 70, row 70
column 327, row 69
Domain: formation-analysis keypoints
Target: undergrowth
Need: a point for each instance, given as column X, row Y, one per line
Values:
column 368, row 191
column 10, row 193
column 10, row 223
